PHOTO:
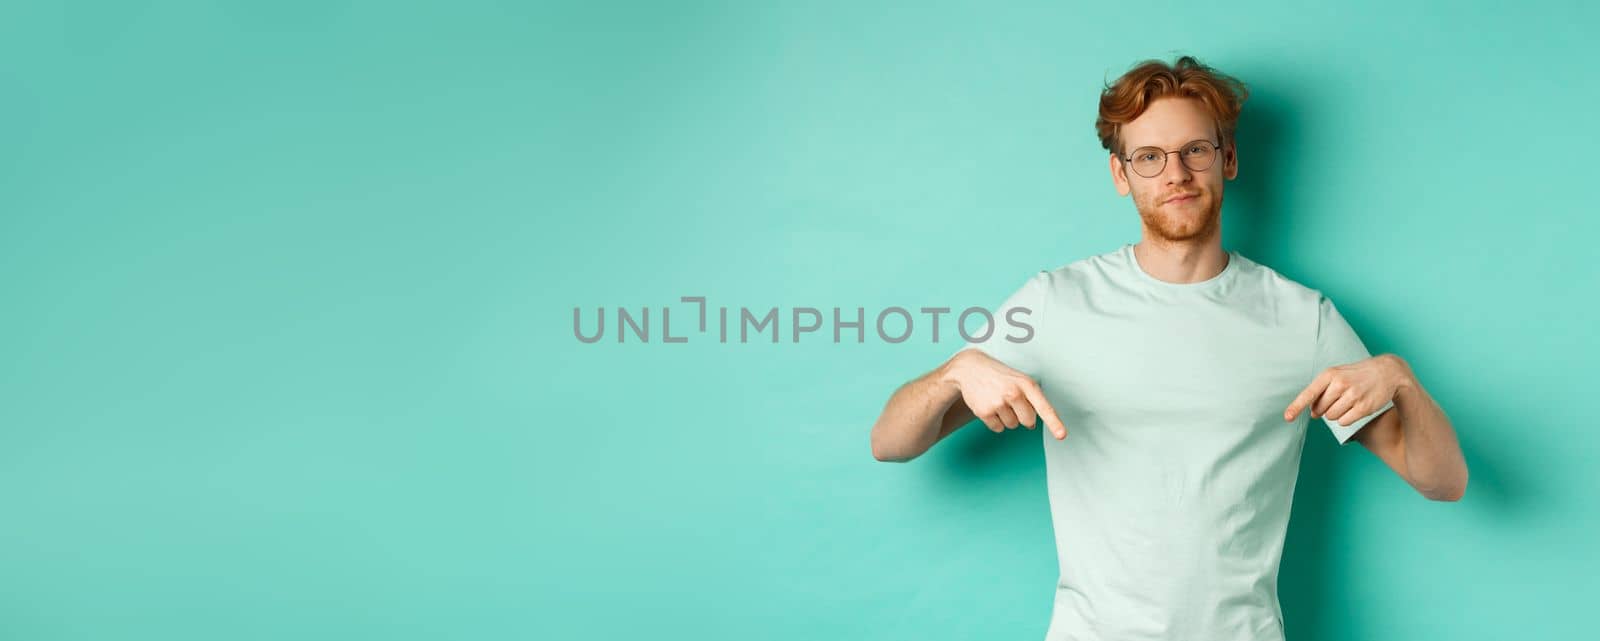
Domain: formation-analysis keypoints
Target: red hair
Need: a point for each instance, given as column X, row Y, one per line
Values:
column 1123, row 101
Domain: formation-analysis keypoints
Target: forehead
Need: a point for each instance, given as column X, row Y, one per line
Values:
column 1169, row 122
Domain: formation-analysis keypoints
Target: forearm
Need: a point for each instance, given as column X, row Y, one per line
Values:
column 1433, row 458
column 911, row 420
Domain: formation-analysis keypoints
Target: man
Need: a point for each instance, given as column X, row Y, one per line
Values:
column 1184, row 375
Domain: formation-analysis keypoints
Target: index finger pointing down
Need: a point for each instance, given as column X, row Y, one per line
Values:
column 1046, row 411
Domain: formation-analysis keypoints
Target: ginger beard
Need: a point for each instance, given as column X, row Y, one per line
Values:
column 1193, row 220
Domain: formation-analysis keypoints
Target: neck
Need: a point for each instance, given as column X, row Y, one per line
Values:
column 1181, row 262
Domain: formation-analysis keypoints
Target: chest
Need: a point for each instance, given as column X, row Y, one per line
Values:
column 1194, row 367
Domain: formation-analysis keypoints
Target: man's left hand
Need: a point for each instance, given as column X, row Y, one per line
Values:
column 1348, row 392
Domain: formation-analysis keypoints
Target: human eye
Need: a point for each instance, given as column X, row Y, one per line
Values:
column 1198, row 149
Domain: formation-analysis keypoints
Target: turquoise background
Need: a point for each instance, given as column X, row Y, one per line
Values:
column 288, row 291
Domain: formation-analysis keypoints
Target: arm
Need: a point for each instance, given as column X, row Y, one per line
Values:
column 918, row 415
column 969, row 385
column 1416, row 440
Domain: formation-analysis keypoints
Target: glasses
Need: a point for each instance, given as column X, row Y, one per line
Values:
column 1149, row 162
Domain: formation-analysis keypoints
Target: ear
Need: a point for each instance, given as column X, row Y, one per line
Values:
column 1118, row 178
column 1230, row 161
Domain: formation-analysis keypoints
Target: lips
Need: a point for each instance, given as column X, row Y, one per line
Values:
column 1181, row 198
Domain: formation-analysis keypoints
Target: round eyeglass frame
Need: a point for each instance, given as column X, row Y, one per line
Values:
column 1218, row 147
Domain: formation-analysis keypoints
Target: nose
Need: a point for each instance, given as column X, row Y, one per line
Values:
column 1176, row 171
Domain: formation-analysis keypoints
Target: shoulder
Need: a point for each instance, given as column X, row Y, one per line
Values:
column 1071, row 282
column 1079, row 271
column 1278, row 286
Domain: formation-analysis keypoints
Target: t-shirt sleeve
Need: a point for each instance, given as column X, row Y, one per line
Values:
column 1337, row 344
column 1015, row 327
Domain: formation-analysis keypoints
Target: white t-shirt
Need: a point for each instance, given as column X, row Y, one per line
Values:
column 1170, row 495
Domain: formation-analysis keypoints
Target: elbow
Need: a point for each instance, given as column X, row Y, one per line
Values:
column 1444, row 496
column 879, row 453
column 886, row 454
column 1447, row 494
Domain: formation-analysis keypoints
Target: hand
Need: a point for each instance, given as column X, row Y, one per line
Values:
column 1348, row 392
column 1000, row 396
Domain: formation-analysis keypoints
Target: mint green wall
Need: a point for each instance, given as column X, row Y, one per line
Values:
column 288, row 288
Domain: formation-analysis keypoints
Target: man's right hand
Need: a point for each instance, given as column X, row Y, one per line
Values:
column 1000, row 396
